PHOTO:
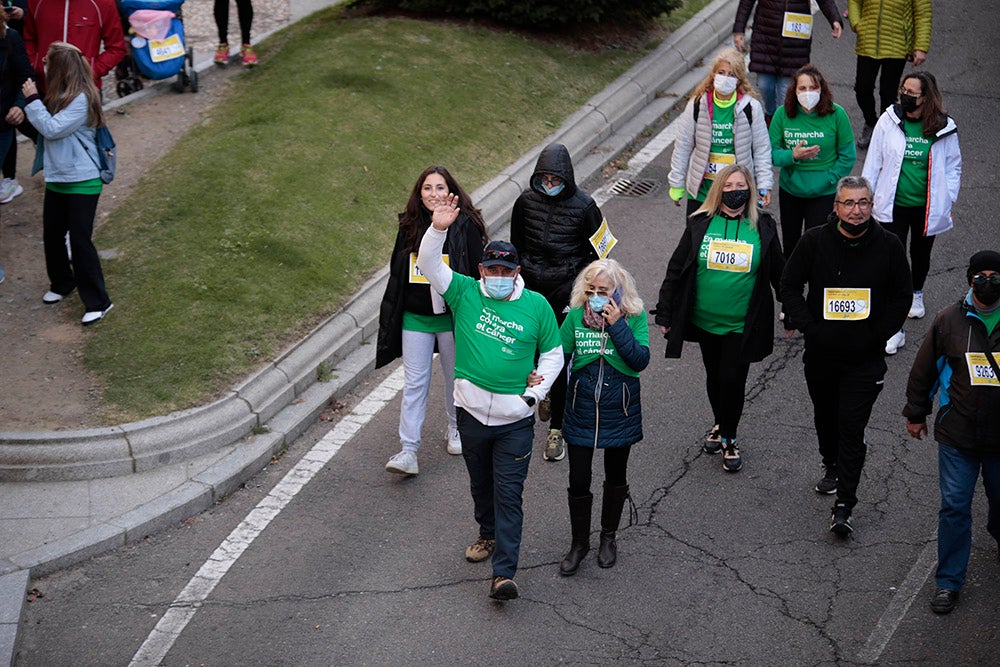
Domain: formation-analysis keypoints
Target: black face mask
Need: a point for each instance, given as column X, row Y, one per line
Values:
column 854, row 230
column 735, row 199
column 987, row 294
column 908, row 103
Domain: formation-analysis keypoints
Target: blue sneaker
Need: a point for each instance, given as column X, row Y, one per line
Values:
column 2, row 276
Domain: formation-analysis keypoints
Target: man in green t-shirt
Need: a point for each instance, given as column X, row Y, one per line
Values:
column 500, row 327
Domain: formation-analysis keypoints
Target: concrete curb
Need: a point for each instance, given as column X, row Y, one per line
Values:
column 338, row 342
column 13, row 588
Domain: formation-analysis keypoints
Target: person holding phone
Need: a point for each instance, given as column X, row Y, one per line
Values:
column 606, row 336
column 716, row 293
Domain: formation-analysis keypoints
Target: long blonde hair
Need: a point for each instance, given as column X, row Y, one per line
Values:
column 713, row 200
column 735, row 60
column 67, row 75
column 631, row 303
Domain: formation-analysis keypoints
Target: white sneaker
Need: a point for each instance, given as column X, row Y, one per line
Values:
column 95, row 316
column 897, row 341
column 51, row 297
column 454, row 441
column 404, row 463
column 917, row 310
column 9, row 188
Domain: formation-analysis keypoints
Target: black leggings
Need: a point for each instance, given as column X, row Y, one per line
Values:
column 63, row 213
column 888, row 84
column 725, row 378
column 911, row 219
column 244, row 9
column 581, row 468
column 795, row 211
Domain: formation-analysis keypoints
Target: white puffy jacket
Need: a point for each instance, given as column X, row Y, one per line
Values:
column 885, row 160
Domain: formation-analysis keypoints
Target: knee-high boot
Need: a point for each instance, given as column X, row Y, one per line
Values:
column 579, row 521
column 611, row 516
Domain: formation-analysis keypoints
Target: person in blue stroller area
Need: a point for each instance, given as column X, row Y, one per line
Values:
column 155, row 35
column 67, row 122
column 244, row 10
column 14, row 71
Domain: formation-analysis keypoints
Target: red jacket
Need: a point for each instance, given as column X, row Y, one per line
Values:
column 82, row 23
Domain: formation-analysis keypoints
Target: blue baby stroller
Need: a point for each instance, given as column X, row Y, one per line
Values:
column 158, row 49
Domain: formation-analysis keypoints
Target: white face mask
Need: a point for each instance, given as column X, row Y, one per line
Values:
column 725, row 85
column 808, row 99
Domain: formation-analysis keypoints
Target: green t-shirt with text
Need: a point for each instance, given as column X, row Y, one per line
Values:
column 586, row 344
column 816, row 177
column 726, row 275
column 496, row 341
column 912, row 187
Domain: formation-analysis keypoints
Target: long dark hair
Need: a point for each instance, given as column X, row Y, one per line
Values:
column 932, row 111
column 415, row 220
column 69, row 74
column 825, row 105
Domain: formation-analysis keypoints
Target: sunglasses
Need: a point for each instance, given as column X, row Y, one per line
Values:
column 980, row 279
column 501, row 254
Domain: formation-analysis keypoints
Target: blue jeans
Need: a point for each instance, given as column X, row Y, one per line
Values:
column 772, row 89
column 957, row 473
column 497, row 459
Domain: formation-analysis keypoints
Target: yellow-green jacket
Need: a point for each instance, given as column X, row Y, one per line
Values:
column 890, row 28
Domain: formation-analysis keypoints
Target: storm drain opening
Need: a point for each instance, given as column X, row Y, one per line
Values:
column 634, row 188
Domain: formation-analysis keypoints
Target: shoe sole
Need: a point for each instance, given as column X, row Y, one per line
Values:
column 841, row 529
column 400, row 471
column 711, row 449
column 454, row 452
column 561, row 456
column 480, row 559
column 736, row 469
column 824, row 493
column 17, row 193
column 103, row 315
column 505, row 591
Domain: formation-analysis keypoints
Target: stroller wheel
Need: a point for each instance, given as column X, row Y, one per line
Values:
column 123, row 89
column 136, row 84
column 181, row 83
column 194, row 81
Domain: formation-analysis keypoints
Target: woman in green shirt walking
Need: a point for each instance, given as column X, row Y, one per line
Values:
column 813, row 144
column 716, row 293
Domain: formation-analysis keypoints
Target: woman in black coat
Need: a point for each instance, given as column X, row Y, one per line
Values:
column 717, row 292
column 15, row 69
column 414, row 320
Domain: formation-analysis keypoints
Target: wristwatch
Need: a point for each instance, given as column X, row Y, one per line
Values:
column 530, row 400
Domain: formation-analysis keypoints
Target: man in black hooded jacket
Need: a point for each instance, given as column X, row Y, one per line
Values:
column 551, row 226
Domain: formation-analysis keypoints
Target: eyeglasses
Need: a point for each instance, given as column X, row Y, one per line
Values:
column 980, row 279
column 551, row 180
column 904, row 91
column 599, row 291
column 851, row 203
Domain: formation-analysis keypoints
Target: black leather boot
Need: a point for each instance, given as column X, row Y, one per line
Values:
column 579, row 521
column 611, row 516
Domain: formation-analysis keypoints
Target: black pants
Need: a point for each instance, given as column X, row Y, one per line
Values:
column 911, row 219
column 888, row 84
column 244, row 10
column 725, row 378
column 843, row 395
column 796, row 211
column 63, row 213
column 557, row 393
column 581, row 468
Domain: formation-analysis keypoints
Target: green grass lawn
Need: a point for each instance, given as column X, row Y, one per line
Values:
column 263, row 220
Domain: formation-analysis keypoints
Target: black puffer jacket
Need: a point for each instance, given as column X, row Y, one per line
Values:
column 15, row 68
column 552, row 234
column 770, row 53
column 677, row 293
column 464, row 247
column 969, row 416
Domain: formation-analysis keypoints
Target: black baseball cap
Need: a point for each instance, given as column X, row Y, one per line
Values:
column 501, row 253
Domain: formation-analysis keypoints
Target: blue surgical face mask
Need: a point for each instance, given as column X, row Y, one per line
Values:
column 597, row 302
column 554, row 190
column 499, row 287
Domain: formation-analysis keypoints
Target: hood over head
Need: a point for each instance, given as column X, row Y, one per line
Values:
column 554, row 159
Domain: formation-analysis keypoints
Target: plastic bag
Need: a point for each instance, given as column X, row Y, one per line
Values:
column 151, row 23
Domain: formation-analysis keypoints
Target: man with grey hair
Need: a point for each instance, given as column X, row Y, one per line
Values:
column 858, row 294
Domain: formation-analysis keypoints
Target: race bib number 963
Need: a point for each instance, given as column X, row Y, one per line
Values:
column 846, row 304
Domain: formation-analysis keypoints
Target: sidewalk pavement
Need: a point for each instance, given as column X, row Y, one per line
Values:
column 67, row 496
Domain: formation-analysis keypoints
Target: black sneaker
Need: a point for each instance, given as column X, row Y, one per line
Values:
column 840, row 520
column 503, row 588
column 713, row 441
column 944, row 601
column 865, row 137
column 731, row 459
column 828, row 485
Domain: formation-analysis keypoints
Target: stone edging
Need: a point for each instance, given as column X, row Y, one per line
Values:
column 280, row 390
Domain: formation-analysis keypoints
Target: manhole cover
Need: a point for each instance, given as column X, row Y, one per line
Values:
column 633, row 188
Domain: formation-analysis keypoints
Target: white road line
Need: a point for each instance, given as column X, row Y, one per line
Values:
column 900, row 603
column 640, row 160
column 182, row 610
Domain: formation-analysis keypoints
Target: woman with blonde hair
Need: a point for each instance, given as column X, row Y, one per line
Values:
column 715, row 293
column 606, row 342
column 723, row 124
column 67, row 122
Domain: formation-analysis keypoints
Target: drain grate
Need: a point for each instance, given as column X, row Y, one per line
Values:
column 638, row 188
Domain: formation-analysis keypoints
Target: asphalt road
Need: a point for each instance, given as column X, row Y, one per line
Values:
column 366, row 568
